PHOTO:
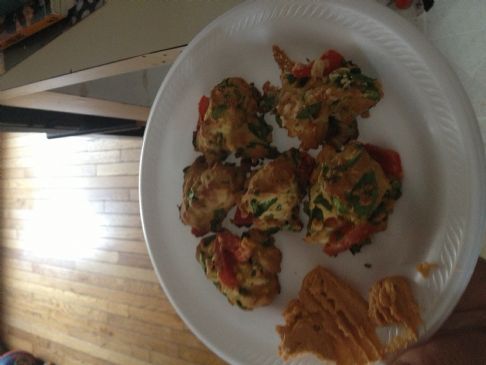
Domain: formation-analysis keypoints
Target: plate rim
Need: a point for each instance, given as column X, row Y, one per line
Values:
column 462, row 106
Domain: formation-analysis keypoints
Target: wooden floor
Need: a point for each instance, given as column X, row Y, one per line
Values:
column 77, row 286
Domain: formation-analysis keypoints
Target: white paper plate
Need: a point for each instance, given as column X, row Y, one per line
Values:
column 425, row 115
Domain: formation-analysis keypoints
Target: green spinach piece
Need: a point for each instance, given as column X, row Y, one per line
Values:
column 207, row 240
column 395, row 191
column 306, row 208
column 259, row 208
column 244, row 291
column 367, row 186
column 372, row 94
column 202, row 261
column 290, row 78
column 218, row 217
column 301, row 81
column 268, row 102
column 317, row 214
column 218, row 110
column 191, row 195
column 339, row 205
column 309, row 111
column 260, row 129
column 269, row 241
column 323, row 201
column 349, row 163
column 357, row 247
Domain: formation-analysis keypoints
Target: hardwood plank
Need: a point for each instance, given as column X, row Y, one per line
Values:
column 118, row 270
column 96, row 182
column 74, row 171
column 75, row 300
column 16, row 203
column 8, row 233
column 134, row 194
column 182, row 337
column 122, row 246
column 14, row 172
column 129, row 286
column 22, row 299
column 82, row 325
column 134, row 259
column 81, row 272
column 81, row 288
column 22, row 139
column 199, row 356
column 55, row 352
column 52, row 351
column 19, row 214
column 107, row 244
column 118, row 169
column 71, row 145
column 24, row 249
column 154, row 345
column 34, row 259
column 87, row 194
column 121, row 220
column 8, row 264
column 50, row 308
column 72, row 158
column 37, row 328
column 28, row 205
column 131, row 155
column 122, row 207
column 13, row 342
column 14, row 285
column 122, row 233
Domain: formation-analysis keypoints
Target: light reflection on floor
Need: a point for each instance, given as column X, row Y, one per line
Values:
column 62, row 227
column 63, row 223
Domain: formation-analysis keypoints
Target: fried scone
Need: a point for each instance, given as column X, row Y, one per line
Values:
column 330, row 320
column 271, row 200
column 208, row 193
column 319, row 101
column 244, row 269
column 230, row 121
column 352, row 193
column 391, row 302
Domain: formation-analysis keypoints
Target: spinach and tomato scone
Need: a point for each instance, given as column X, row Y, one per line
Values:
column 208, row 193
column 230, row 121
column 351, row 196
column 319, row 101
column 244, row 269
column 273, row 193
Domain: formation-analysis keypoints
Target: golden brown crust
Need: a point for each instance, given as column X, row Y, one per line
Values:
column 233, row 123
column 391, row 302
column 348, row 189
column 273, row 194
column 255, row 264
column 425, row 268
column 330, row 320
column 283, row 61
column 208, row 193
column 315, row 105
